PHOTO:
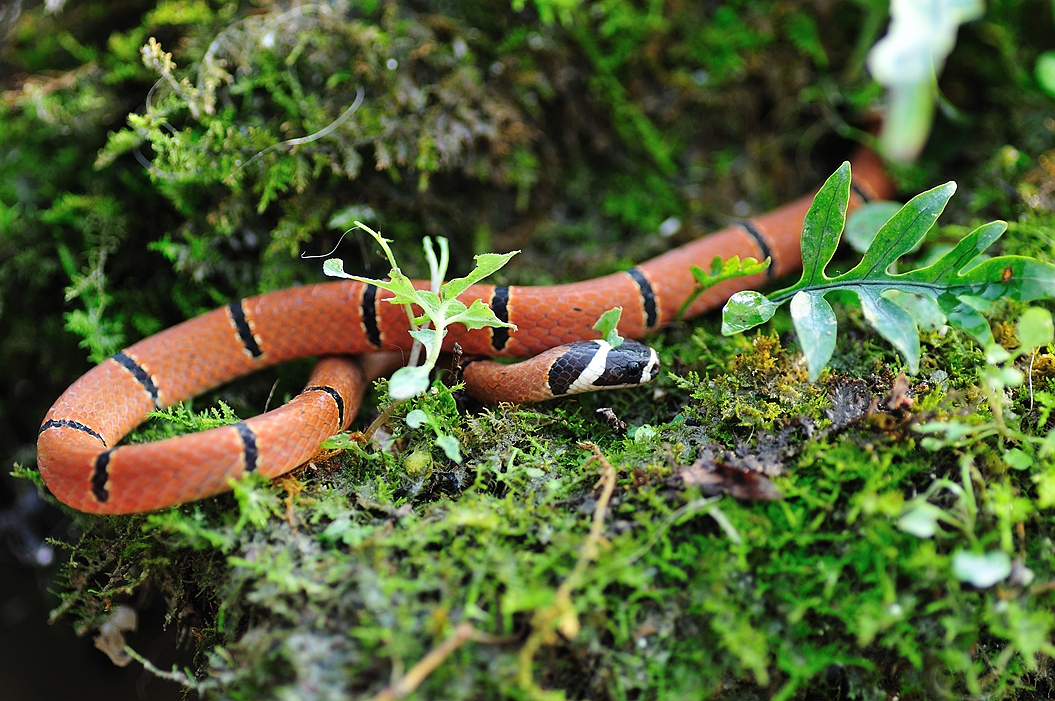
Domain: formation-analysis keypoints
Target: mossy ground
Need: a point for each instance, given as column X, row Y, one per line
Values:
column 573, row 132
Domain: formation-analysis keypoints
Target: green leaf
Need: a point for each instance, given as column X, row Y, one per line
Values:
column 334, row 267
column 477, row 316
column 342, row 441
column 399, row 284
column 427, row 337
column 746, row 310
column 428, row 300
column 720, row 271
column 823, row 226
column 1007, row 277
column 996, row 354
column 982, row 571
column 866, row 221
column 965, row 251
column 957, row 285
column 814, row 319
column 1018, row 459
column 644, row 433
column 921, row 521
column 924, row 310
column 417, row 418
column 409, row 382
column 962, row 314
column 903, row 232
column 449, row 445
column 894, row 324
column 1034, row 328
column 486, row 264
column 608, row 326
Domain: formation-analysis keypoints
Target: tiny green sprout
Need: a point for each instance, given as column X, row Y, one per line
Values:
column 446, row 442
column 921, row 521
column 1017, row 459
column 1034, row 330
column 345, row 441
column 608, row 326
column 439, row 306
column 720, row 271
column 645, row 433
column 921, row 518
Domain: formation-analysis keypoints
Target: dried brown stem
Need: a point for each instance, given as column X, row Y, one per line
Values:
column 410, row 681
column 560, row 616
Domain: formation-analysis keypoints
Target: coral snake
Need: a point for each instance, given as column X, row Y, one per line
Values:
column 77, row 447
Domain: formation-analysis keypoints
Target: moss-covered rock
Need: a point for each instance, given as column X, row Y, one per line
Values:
column 160, row 159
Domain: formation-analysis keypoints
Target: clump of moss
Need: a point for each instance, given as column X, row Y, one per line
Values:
column 763, row 388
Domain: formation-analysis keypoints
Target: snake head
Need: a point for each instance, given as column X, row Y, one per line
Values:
column 588, row 366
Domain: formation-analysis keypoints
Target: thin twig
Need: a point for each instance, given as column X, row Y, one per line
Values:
column 560, row 615
column 406, row 684
column 381, row 419
column 1031, row 359
column 306, row 256
column 182, row 678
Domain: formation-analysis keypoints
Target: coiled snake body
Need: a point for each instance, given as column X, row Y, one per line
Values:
column 82, row 465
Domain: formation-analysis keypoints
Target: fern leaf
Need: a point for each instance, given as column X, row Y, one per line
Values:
column 961, row 290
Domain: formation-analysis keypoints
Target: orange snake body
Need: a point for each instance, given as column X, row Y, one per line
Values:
column 83, row 467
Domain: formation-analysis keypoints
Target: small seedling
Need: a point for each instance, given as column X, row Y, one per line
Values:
column 608, row 325
column 1034, row 331
column 446, row 442
column 439, row 306
column 720, row 271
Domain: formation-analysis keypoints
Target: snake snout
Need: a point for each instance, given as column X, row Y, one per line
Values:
column 629, row 364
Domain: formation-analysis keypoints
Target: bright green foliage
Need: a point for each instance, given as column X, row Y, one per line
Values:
column 720, row 271
column 866, row 221
column 1034, row 331
column 444, row 441
column 608, row 327
column 777, row 594
column 440, row 306
column 180, row 419
column 754, row 392
column 958, row 288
